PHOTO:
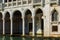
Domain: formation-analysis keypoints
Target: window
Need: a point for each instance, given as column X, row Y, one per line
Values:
column 59, row 2
column 14, row 0
column 24, row 2
column 29, row 1
column 54, row 28
column 54, row 15
column 10, row 0
column 0, row 1
column 5, row 0
column 36, row 1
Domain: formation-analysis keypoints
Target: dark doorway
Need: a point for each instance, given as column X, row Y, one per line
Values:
column 1, row 24
column 30, row 27
column 42, row 24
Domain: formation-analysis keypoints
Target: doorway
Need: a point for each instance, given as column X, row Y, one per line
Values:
column 30, row 27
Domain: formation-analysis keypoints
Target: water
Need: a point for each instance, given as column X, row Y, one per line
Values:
column 26, row 38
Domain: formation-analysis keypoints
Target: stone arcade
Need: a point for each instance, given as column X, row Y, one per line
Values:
column 30, row 17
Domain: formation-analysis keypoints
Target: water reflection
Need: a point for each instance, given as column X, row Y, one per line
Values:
column 20, row 38
column 11, row 38
column 23, row 38
column 26, row 38
column 3, row 38
column 33, row 39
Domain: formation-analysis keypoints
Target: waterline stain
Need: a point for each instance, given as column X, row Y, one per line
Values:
column 26, row 38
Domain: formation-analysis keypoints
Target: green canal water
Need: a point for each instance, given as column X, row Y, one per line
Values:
column 26, row 38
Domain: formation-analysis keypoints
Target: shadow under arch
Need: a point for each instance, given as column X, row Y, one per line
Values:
column 39, row 22
column 1, row 24
column 28, row 22
column 7, row 23
column 17, row 23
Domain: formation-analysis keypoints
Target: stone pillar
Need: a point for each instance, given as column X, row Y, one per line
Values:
column 11, row 26
column 33, row 19
column 3, row 26
column 27, row 1
column 23, row 26
column 3, row 1
column 57, row 2
column 16, row 2
column 21, row 2
column 47, row 28
column 7, row 2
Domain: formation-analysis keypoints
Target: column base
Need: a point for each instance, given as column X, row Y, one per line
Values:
column 23, row 35
column 3, row 34
column 10, row 34
column 33, row 35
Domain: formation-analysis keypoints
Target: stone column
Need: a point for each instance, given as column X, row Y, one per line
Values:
column 47, row 28
column 3, row 26
column 3, row 1
column 23, row 26
column 33, row 19
column 57, row 2
column 27, row 1
column 7, row 2
column 11, row 26
column 12, row 2
column 16, row 2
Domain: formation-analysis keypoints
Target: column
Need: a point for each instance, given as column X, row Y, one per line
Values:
column 11, row 26
column 3, row 26
column 3, row 1
column 16, row 2
column 33, row 26
column 21, row 2
column 23, row 26
column 7, row 2
column 27, row 1
column 57, row 2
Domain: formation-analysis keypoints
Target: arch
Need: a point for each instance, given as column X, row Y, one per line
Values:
column 16, row 11
column 7, row 23
column 54, row 15
column 17, row 22
column 38, row 11
column 27, row 10
column 28, row 22
column 7, row 14
column 1, row 24
column 39, row 23
column 41, row 11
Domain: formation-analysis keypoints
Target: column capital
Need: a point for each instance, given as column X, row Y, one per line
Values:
column 23, row 17
column 11, row 17
column 43, row 17
column 33, row 16
column 3, row 18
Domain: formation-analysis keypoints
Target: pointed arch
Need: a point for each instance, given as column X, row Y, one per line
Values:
column 54, row 15
column 7, row 23
column 17, row 22
column 39, row 23
column 28, row 21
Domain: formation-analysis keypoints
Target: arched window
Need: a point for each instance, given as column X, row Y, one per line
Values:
column 55, row 16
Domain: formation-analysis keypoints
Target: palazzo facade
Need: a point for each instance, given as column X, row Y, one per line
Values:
column 30, row 17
